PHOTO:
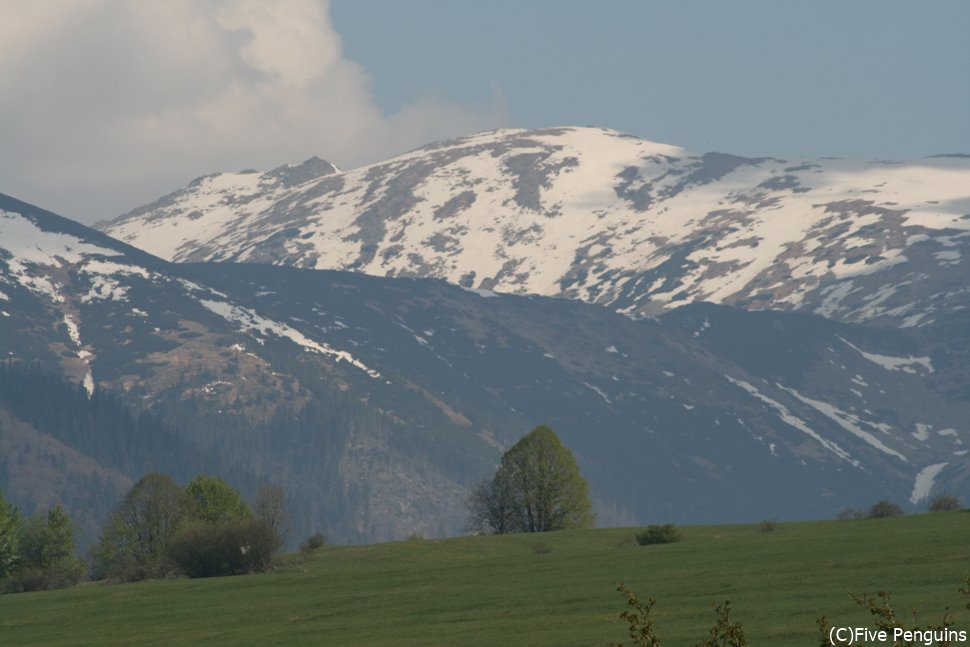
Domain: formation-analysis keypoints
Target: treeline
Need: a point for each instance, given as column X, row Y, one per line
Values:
column 300, row 449
column 105, row 429
column 100, row 426
column 160, row 529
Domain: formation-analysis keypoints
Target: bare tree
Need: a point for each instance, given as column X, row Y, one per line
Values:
column 493, row 506
column 270, row 508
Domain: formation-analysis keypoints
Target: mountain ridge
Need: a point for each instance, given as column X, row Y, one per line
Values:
column 605, row 218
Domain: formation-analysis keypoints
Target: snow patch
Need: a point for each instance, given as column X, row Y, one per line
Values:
column 598, row 391
column 246, row 319
column 833, row 299
column 28, row 245
column 88, row 382
column 922, row 432
column 482, row 292
column 794, row 421
column 704, row 326
column 847, row 421
column 923, row 483
column 890, row 363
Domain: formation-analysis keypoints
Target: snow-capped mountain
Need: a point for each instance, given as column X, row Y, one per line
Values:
column 378, row 402
column 602, row 217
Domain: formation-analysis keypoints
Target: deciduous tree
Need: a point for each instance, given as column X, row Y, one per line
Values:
column 135, row 541
column 47, row 559
column 9, row 532
column 212, row 499
column 536, row 488
column 270, row 508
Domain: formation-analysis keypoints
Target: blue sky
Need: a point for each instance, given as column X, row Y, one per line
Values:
column 109, row 104
column 867, row 79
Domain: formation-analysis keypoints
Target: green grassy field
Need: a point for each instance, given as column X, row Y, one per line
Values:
column 509, row 591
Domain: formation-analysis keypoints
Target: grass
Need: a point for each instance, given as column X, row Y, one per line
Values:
column 501, row 590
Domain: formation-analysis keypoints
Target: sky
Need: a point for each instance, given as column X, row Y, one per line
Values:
column 109, row 104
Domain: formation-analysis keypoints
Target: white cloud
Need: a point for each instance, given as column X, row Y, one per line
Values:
column 110, row 103
column 291, row 42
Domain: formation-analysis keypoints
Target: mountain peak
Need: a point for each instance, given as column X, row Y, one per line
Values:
column 311, row 169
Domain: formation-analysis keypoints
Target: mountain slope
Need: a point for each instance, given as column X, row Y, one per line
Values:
column 380, row 402
column 285, row 407
column 602, row 217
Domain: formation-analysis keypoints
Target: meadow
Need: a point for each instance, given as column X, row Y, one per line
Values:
column 554, row 589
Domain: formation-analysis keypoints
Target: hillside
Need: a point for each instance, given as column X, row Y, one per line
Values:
column 602, row 217
column 377, row 403
column 551, row 590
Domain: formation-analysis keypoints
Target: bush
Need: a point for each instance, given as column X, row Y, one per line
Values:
column 849, row 514
column 944, row 503
column 224, row 548
column 313, row 542
column 724, row 633
column 768, row 525
column 658, row 534
column 883, row 509
column 729, row 633
column 541, row 548
column 35, row 578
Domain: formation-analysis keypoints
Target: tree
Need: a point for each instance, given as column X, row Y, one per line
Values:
column 214, row 500
column 9, row 533
column 47, row 558
column 536, row 488
column 883, row 509
column 494, row 506
column 270, row 508
column 944, row 503
column 134, row 544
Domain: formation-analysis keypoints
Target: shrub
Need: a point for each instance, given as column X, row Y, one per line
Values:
column 768, row 525
column 944, row 503
column 313, row 542
column 541, row 548
column 724, row 633
column 883, row 509
column 658, row 534
column 638, row 616
column 849, row 514
column 884, row 618
column 228, row 547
